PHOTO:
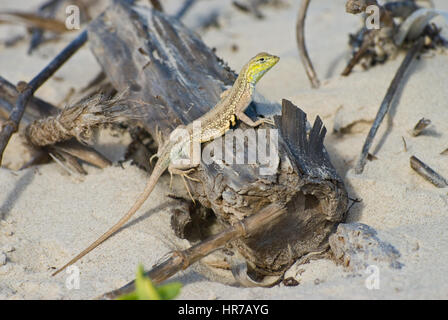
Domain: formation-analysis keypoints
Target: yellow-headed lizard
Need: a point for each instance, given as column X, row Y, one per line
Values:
column 214, row 123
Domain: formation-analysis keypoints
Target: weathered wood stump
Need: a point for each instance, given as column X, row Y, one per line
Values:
column 179, row 78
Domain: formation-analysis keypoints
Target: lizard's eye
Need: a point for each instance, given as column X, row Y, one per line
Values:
column 261, row 59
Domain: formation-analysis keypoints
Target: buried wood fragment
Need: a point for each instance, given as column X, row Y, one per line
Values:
column 429, row 174
column 420, row 126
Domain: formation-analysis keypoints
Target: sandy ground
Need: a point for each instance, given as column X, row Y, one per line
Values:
column 48, row 216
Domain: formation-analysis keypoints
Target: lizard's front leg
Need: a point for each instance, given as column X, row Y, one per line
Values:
column 244, row 118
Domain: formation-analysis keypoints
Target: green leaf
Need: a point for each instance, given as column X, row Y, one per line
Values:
column 129, row 296
column 169, row 291
column 143, row 286
column 145, row 289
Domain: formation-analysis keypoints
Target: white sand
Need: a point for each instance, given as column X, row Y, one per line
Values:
column 49, row 216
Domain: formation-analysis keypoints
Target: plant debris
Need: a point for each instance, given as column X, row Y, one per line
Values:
column 429, row 174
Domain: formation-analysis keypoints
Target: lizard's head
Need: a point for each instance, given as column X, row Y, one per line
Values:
column 259, row 65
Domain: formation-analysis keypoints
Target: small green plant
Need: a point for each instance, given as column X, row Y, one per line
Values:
column 145, row 289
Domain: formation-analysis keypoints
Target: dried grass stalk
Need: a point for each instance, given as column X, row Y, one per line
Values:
column 78, row 120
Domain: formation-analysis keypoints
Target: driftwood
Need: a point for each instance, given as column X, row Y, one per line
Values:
column 168, row 67
column 426, row 172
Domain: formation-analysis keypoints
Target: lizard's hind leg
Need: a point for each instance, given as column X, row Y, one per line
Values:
column 160, row 143
column 245, row 119
column 184, row 172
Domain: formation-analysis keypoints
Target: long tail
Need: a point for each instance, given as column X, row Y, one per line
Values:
column 155, row 175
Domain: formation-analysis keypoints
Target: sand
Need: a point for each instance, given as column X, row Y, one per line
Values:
column 47, row 216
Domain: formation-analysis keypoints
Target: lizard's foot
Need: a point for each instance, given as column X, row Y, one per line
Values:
column 266, row 120
column 245, row 119
column 152, row 158
column 184, row 174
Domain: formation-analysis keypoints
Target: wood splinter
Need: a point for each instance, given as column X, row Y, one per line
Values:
column 421, row 125
column 429, row 174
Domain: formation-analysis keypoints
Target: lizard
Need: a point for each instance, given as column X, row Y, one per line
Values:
column 216, row 122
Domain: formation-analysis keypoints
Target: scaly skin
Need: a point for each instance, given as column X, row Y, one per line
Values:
column 214, row 123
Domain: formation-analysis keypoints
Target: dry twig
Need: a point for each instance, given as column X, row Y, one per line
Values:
column 300, row 34
column 183, row 10
column 367, row 41
column 387, row 101
column 27, row 92
column 429, row 174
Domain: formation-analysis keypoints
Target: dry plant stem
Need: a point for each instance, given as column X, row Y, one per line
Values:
column 429, row 174
column 36, row 107
column 300, row 34
column 34, row 21
column 16, row 115
column 76, row 121
column 387, row 101
column 183, row 10
column 84, row 153
column 359, row 6
column 181, row 260
column 46, row 10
